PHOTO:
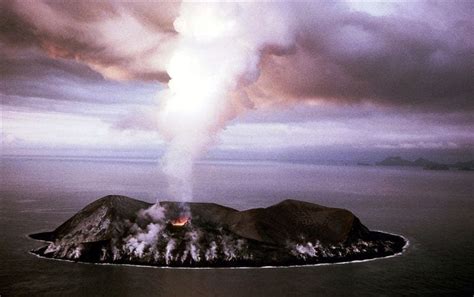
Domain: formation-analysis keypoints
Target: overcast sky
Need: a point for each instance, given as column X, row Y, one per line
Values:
column 358, row 81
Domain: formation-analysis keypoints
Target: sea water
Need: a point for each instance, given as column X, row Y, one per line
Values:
column 433, row 209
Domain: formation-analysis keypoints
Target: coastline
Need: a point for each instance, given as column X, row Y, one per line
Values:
column 326, row 263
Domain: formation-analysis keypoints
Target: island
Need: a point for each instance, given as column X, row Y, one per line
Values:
column 121, row 230
column 426, row 164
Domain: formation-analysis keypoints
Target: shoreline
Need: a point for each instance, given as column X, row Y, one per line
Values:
column 399, row 253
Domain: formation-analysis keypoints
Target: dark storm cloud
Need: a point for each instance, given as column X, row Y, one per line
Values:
column 30, row 79
column 119, row 40
column 420, row 55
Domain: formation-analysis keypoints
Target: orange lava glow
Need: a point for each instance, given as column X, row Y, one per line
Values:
column 179, row 222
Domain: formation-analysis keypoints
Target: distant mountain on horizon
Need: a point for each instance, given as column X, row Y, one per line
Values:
column 366, row 160
column 425, row 163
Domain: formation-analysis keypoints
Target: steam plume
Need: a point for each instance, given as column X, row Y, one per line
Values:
column 218, row 50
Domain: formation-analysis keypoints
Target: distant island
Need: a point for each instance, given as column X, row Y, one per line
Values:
column 122, row 230
column 426, row 164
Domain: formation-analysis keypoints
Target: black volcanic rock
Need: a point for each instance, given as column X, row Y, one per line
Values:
column 118, row 229
column 292, row 219
column 100, row 220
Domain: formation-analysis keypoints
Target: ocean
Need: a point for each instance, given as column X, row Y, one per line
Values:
column 434, row 210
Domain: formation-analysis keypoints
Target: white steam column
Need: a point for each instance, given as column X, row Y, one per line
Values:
column 218, row 51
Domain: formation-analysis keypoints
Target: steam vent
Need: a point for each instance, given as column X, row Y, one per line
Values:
column 122, row 230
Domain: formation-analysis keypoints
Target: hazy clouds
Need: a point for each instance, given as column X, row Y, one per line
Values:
column 411, row 53
column 106, row 60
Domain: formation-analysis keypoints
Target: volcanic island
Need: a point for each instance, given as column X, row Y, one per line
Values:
column 121, row 230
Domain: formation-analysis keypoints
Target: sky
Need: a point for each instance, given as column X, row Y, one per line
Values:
column 344, row 81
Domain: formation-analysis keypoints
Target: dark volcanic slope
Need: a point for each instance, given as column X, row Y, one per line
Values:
column 292, row 219
column 118, row 229
column 97, row 221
